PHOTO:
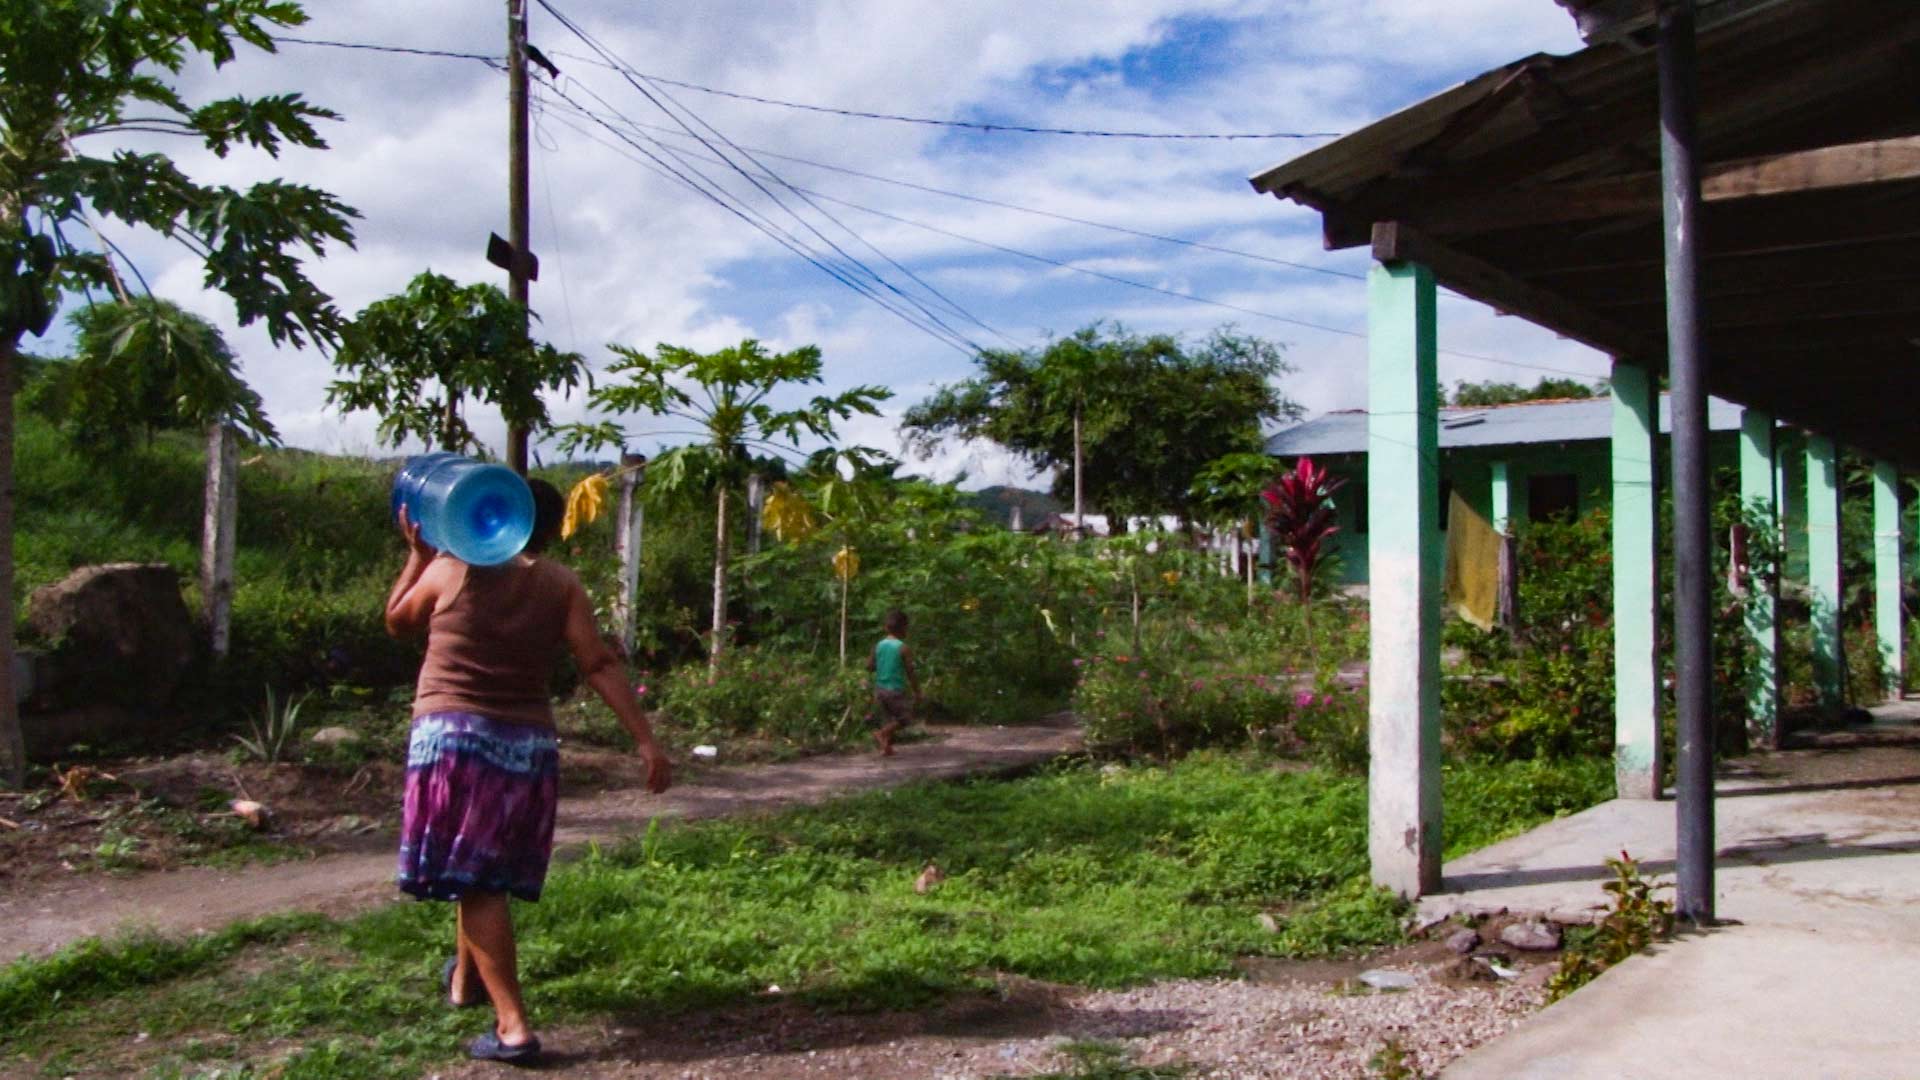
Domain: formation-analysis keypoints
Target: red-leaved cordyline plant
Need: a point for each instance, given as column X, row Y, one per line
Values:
column 1300, row 514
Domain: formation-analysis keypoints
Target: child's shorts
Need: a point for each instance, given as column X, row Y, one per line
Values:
column 892, row 707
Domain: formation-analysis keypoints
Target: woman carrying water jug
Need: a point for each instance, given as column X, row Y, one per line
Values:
column 482, row 760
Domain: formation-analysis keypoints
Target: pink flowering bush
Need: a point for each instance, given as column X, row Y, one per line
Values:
column 1134, row 706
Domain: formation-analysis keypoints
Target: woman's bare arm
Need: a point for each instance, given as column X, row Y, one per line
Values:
column 415, row 591
column 607, row 676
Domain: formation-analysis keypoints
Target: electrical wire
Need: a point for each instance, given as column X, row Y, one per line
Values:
column 798, row 245
column 553, row 226
column 1117, row 279
column 851, row 259
column 630, row 73
column 498, row 63
column 973, row 125
column 806, row 196
column 717, row 195
column 1000, row 204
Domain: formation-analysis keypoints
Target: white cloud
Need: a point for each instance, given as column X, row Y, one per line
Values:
column 633, row 258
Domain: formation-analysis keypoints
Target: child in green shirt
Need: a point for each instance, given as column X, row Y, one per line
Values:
column 892, row 665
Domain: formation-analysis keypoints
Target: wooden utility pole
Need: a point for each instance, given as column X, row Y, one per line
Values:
column 517, row 228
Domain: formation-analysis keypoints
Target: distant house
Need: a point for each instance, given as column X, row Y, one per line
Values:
column 1061, row 524
column 1511, row 463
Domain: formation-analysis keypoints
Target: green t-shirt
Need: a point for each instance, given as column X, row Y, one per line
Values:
column 889, row 667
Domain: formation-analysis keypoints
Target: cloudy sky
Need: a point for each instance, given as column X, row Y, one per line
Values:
column 632, row 256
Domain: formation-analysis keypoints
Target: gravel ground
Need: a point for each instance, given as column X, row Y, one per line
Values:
column 1273, row 1025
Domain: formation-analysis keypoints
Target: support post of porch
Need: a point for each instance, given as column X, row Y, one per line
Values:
column 1637, row 750
column 1502, row 498
column 1403, row 563
column 1760, row 504
column 1823, row 569
column 1887, row 577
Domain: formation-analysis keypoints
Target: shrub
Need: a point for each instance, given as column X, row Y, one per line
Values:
column 1143, row 706
column 758, row 692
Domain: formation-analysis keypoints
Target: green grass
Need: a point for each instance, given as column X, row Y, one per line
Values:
column 1075, row 876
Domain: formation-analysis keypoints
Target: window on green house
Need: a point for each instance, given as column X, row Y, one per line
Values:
column 1552, row 495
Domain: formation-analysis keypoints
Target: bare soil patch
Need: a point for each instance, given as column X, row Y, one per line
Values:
column 328, row 845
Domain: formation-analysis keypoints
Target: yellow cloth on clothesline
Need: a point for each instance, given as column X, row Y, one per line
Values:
column 1472, row 577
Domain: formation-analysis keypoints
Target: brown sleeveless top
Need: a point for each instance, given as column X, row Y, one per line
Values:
column 492, row 644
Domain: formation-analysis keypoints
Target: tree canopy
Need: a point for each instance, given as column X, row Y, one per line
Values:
column 145, row 365
column 77, row 72
column 724, row 399
column 1549, row 388
column 415, row 356
column 1155, row 410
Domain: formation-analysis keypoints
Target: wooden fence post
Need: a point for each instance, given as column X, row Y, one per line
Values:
column 220, row 513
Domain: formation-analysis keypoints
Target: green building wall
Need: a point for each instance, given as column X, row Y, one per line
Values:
column 1469, row 471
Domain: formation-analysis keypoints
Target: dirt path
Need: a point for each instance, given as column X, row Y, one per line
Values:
column 199, row 898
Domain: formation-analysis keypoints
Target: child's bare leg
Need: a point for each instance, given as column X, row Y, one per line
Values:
column 885, row 737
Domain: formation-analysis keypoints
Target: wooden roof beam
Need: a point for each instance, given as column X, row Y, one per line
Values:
column 1811, row 300
column 1774, row 86
column 1827, row 168
column 1398, row 242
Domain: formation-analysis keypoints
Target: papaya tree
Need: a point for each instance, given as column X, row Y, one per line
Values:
column 413, row 357
column 82, row 75
column 1226, row 495
column 724, row 398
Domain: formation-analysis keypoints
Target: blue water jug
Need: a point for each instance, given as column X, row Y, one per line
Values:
column 480, row 514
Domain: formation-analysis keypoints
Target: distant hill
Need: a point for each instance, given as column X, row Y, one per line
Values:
column 997, row 504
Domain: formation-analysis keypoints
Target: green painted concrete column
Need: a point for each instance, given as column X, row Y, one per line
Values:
column 1638, row 754
column 1403, row 565
column 1502, row 498
column 1886, row 576
column 1823, row 568
column 1758, row 496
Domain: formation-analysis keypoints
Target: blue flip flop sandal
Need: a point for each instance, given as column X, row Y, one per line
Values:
column 446, row 984
column 488, row 1047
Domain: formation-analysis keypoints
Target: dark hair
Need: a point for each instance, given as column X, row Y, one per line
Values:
column 549, row 509
column 895, row 622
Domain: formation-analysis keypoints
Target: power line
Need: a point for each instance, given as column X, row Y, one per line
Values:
column 495, row 62
column 925, row 321
column 714, row 193
column 1117, row 279
column 805, row 195
column 627, row 74
column 858, row 114
column 1000, row 204
column 972, row 125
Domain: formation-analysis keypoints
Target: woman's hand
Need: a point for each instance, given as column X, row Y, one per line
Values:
column 410, row 532
column 659, row 769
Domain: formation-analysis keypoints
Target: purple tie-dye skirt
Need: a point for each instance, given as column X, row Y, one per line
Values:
column 479, row 807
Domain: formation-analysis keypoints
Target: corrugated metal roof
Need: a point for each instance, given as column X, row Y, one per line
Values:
column 1498, row 425
column 1535, row 189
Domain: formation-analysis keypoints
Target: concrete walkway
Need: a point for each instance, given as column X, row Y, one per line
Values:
column 1815, row 975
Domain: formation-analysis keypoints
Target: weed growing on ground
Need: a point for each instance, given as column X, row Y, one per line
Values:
column 1390, row 1062
column 1636, row 919
column 1101, row 1060
column 1078, row 875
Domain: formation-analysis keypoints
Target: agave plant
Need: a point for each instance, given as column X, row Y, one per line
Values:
column 272, row 729
column 1301, row 515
